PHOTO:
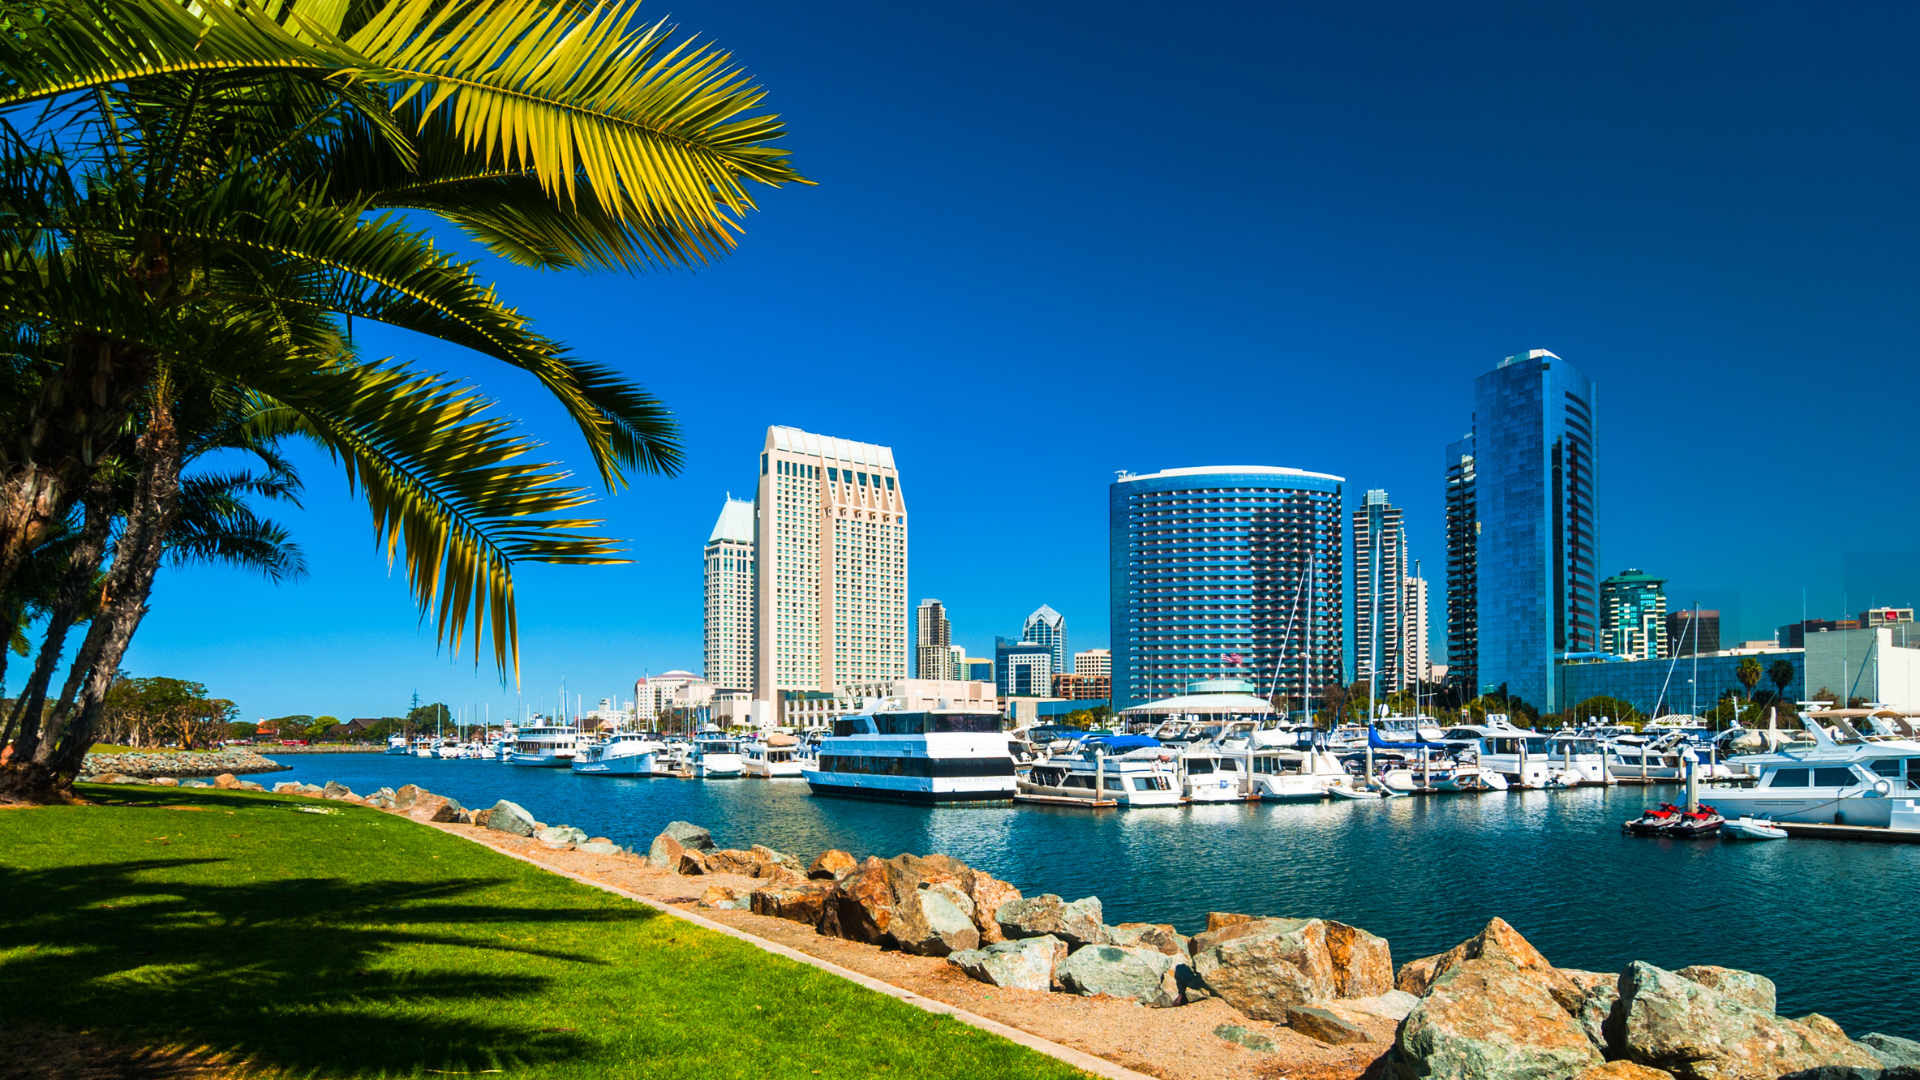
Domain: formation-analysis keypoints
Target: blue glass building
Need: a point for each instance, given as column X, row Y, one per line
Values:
column 1672, row 686
column 1536, row 550
column 1226, row 572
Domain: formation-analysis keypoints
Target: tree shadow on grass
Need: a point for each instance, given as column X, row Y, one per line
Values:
column 286, row 974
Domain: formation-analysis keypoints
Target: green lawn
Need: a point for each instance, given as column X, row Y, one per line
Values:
column 358, row 944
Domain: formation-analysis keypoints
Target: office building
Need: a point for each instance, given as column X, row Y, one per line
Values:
column 933, row 642
column 1794, row 635
column 1022, row 668
column 1885, row 616
column 1535, row 529
column 730, row 608
column 1093, row 662
column 1229, row 572
column 1379, row 593
column 1048, row 627
column 1077, row 687
column 1462, row 603
column 1633, row 616
column 831, row 577
column 1419, row 660
column 1690, row 632
column 976, row 669
column 1658, row 686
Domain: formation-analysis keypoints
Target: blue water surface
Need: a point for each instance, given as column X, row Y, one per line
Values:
column 1832, row 923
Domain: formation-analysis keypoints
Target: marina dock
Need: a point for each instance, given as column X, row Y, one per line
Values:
column 1871, row 833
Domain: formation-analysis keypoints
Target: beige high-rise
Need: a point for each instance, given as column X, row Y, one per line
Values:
column 831, row 566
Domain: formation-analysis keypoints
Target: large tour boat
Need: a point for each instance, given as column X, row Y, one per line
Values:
column 928, row 757
column 544, row 747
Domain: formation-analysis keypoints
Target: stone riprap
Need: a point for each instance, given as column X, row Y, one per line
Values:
column 193, row 763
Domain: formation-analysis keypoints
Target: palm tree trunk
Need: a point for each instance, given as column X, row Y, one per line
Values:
column 73, row 425
column 70, row 730
column 30, row 707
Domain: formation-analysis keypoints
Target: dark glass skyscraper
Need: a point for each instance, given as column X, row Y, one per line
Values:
column 1231, row 572
column 1536, row 538
column 1463, row 535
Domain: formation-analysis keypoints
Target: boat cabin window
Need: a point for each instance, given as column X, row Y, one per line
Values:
column 1834, row 778
column 1913, row 773
column 1150, row 783
column 1887, row 766
column 1462, row 734
column 1199, row 766
column 1789, row 778
column 978, row 723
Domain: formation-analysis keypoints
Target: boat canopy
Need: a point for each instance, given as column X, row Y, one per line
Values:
column 1374, row 740
column 1123, row 743
column 1201, row 705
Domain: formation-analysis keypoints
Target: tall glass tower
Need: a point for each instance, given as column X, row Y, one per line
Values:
column 1463, row 571
column 1537, row 538
column 1229, row 572
column 1379, row 593
column 1048, row 627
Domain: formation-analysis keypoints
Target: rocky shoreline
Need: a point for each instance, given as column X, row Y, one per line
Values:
column 1492, row 1007
column 105, row 768
column 328, row 748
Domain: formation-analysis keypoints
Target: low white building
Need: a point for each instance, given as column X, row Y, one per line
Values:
column 1881, row 664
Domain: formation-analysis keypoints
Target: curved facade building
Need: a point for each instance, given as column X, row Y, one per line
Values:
column 1227, row 572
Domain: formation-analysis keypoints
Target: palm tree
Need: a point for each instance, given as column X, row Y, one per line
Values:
column 207, row 195
column 1781, row 673
column 1748, row 672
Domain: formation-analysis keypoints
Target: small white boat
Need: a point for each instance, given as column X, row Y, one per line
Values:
column 1344, row 792
column 1207, row 776
column 397, row 745
column 715, row 757
column 778, row 757
column 1749, row 827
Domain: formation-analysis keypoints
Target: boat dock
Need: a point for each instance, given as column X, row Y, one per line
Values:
column 1872, row 833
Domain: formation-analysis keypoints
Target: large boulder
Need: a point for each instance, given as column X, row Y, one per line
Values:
column 1140, row 935
column 1486, row 1019
column 1753, row 991
column 407, row 796
column 226, row 781
column 860, row 907
column 726, row 898
column 600, row 847
column 510, row 817
column 731, row 861
column 1495, row 941
column 335, row 790
column 769, row 863
column 1696, row 1032
column 934, row 920
column 693, row 861
column 989, row 894
column 1026, row 964
column 689, row 835
column 1263, row 966
column 429, row 807
column 1892, row 1050
column 561, row 837
column 1077, row 923
column 1323, row 1026
column 284, row 787
column 1147, row 976
column 664, row 853
column 800, row 902
column 831, row 865
column 1854, row 1072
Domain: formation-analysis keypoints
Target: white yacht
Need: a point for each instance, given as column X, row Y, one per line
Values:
column 715, row 757
column 1843, row 778
column 1127, row 770
column 1576, row 759
column 1296, row 777
column 927, row 757
column 1518, row 755
column 544, row 747
column 625, row 753
column 397, row 745
column 777, row 757
column 1206, row 775
column 1662, row 756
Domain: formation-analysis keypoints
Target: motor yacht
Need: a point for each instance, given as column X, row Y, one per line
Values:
column 624, row 753
column 1663, row 756
column 1206, row 775
column 928, row 757
column 1519, row 755
column 544, row 747
column 716, row 757
column 1126, row 770
column 1296, row 777
column 397, row 746
column 1574, row 759
column 779, row 756
column 1844, row 777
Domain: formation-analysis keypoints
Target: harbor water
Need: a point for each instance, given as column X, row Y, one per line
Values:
column 1830, row 922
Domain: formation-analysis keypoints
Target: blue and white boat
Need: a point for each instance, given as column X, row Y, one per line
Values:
column 625, row 753
column 923, row 757
column 544, row 747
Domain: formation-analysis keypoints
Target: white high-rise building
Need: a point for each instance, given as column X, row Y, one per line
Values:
column 1379, row 573
column 957, row 661
column 1048, row 627
column 1093, row 662
column 831, row 565
column 1419, row 661
column 730, row 608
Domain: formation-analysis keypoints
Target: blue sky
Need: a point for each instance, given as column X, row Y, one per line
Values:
column 1051, row 241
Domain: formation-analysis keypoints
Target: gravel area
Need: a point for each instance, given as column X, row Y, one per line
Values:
column 182, row 764
column 1175, row 1044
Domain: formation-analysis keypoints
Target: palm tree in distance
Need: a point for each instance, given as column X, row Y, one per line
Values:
column 196, row 200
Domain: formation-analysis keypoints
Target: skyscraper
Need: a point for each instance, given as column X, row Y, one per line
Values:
column 1418, row 660
column 831, row 567
column 1229, row 572
column 1537, row 540
column 729, row 598
column 1463, row 538
column 933, row 642
column 1048, row 627
column 1379, row 593
column 1633, row 615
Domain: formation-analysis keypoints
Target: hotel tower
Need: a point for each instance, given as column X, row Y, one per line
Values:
column 831, row 572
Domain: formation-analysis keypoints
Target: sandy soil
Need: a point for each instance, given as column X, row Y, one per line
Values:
column 1175, row 1044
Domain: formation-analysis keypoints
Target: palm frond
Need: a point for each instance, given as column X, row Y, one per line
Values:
column 216, row 526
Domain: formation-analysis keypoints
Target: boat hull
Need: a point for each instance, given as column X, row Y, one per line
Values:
column 540, row 761
column 1828, row 807
column 849, row 786
column 634, row 765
